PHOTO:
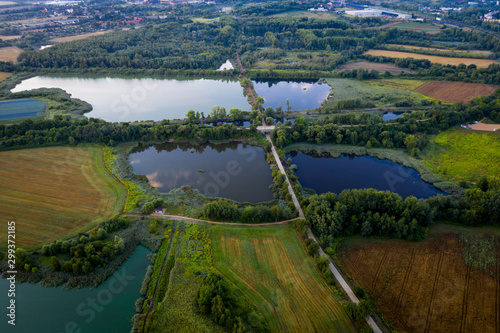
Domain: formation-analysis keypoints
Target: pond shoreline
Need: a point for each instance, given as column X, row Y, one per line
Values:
column 396, row 156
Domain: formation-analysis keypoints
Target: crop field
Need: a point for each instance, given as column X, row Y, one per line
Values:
column 462, row 155
column 426, row 286
column 78, row 37
column 272, row 268
column 4, row 75
column 381, row 67
column 20, row 108
column 481, row 63
column 456, row 91
column 9, row 54
column 54, row 193
column 344, row 89
column 481, row 126
column 412, row 47
column 4, row 38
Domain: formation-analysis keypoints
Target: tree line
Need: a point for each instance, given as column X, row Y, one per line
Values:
column 382, row 213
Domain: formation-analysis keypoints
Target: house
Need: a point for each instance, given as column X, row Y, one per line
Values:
column 158, row 211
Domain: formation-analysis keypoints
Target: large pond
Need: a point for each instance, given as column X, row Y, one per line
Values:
column 234, row 170
column 329, row 174
column 120, row 99
column 302, row 95
column 107, row 308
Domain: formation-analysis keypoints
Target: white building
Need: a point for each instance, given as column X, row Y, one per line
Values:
column 372, row 12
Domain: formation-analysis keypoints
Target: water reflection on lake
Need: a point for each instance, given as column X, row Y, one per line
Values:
column 234, row 170
column 302, row 95
column 329, row 174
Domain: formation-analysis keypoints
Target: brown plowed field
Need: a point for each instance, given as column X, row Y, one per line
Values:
column 426, row 286
column 374, row 65
column 454, row 92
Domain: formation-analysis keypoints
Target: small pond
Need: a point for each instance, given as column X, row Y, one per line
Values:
column 302, row 95
column 391, row 116
column 107, row 308
column 329, row 174
column 235, row 171
column 125, row 99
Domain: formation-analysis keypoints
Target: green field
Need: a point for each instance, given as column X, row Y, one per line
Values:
column 272, row 268
column 305, row 13
column 462, row 155
column 177, row 311
column 345, row 89
column 54, row 193
column 416, row 25
column 398, row 84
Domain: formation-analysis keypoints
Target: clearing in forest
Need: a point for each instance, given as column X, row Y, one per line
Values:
column 78, row 37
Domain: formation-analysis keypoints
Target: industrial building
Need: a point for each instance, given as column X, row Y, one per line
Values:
column 372, row 12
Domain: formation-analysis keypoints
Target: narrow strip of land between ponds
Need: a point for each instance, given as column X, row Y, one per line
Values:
column 198, row 221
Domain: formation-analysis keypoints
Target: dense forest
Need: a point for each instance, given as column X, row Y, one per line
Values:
column 376, row 213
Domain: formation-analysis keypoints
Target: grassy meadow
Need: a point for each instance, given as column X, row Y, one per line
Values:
column 463, row 155
column 54, row 193
column 344, row 89
column 271, row 267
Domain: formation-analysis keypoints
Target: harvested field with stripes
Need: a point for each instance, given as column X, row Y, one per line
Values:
column 427, row 286
column 270, row 265
column 481, row 63
column 54, row 193
column 455, row 92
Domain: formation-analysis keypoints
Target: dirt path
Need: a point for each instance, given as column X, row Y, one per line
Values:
column 199, row 221
column 249, row 90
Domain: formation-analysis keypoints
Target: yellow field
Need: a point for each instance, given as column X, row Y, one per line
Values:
column 2, row 37
column 54, row 193
column 10, row 54
column 4, row 75
column 272, row 268
column 482, row 63
column 436, row 49
column 78, row 37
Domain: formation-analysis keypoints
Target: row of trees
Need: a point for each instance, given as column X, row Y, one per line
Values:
column 227, row 211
